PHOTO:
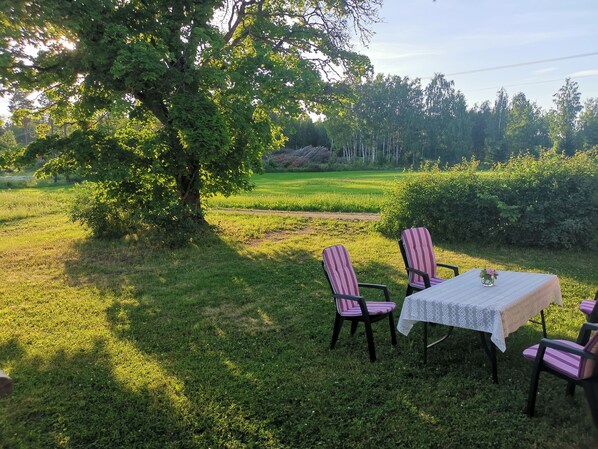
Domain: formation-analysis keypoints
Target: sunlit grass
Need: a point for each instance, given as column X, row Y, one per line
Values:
column 352, row 191
column 225, row 345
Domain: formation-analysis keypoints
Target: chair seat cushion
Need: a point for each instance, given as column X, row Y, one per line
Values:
column 374, row 308
column 421, row 285
column 561, row 361
column 587, row 305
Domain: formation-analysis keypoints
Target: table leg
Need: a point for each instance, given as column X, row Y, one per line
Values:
column 542, row 322
column 490, row 350
column 434, row 343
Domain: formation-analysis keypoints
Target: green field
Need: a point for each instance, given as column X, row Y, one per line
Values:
column 351, row 191
column 225, row 344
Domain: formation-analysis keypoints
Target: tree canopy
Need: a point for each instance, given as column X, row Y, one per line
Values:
column 208, row 82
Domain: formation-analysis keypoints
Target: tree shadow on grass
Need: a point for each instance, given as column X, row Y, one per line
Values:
column 242, row 334
column 77, row 400
column 246, row 332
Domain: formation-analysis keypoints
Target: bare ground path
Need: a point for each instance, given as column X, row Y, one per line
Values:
column 325, row 215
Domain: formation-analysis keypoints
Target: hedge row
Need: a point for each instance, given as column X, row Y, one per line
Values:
column 550, row 201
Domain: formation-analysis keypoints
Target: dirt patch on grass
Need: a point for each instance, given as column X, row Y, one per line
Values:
column 358, row 216
column 280, row 235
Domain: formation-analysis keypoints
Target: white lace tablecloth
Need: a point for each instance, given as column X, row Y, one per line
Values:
column 464, row 302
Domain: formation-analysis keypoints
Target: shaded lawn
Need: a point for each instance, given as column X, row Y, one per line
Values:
column 225, row 345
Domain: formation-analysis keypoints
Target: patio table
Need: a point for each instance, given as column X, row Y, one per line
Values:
column 495, row 311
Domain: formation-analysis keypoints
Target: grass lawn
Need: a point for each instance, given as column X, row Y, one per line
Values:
column 350, row 191
column 225, row 345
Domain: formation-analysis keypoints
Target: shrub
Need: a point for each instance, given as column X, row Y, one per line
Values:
column 549, row 201
column 112, row 210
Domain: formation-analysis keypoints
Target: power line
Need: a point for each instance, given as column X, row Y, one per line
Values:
column 530, row 83
column 521, row 64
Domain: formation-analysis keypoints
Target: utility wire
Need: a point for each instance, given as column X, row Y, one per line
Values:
column 521, row 64
column 529, row 83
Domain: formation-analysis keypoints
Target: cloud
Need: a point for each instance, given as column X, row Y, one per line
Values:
column 583, row 73
column 384, row 51
column 543, row 71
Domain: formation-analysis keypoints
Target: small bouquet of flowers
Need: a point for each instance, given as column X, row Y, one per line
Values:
column 488, row 276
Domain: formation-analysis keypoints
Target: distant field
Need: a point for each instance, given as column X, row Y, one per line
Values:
column 346, row 191
column 351, row 191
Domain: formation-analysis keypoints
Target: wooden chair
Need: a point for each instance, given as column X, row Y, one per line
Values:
column 350, row 305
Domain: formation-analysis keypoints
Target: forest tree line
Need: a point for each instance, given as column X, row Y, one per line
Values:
column 394, row 121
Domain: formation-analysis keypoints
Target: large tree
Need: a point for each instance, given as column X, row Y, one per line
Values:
column 526, row 129
column 588, row 124
column 448, row 129
column 208, row 80
column 564, row 116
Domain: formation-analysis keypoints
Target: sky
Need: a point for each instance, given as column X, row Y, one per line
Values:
column 418, row 38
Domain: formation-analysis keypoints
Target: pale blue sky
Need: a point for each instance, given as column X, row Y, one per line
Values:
column 418, row 38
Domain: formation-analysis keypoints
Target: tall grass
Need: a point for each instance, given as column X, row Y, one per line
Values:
column 126, row 345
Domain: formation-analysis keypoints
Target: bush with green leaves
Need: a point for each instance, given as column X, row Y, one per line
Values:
column 128, row 189
column 548, row 201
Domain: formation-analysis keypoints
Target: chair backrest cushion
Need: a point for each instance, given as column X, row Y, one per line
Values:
column 419, row 252
column 586, row 366
column 341, row 275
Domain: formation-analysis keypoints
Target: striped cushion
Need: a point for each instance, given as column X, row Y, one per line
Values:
column 563, row 362
column 342, row 276
column 421, row 285
column 587, row 366
column 419, row 252
column 587, row 305
column 374, row 308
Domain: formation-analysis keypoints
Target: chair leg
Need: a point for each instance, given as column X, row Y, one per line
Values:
column 338, row 323
column 354, row 324
column 570, row 388
column 370, row 337
column 533, row 391
column 591, row 389
column 393, row 332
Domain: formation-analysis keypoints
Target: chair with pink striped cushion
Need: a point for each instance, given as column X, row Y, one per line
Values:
column 590, row 308
column 350, row 305
column 576, row 362
column 420, row 261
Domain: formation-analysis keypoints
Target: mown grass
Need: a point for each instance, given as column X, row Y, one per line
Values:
column 225, row 345
column 353, row 191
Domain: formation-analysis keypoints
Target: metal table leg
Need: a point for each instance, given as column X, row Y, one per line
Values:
column 434, row 343
column 490, row 350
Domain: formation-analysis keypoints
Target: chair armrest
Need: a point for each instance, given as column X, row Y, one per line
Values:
column 452, row 267
column 362, row 305
column 584, row 332
column 351, row 297
column 546, row 343
column 382, row 287
column 423, row 274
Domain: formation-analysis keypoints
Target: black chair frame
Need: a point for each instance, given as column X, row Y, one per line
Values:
column 589, row 385
column 365, row 317
column 593, row 316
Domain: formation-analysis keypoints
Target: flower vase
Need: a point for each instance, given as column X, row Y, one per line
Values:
column 488, row 282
